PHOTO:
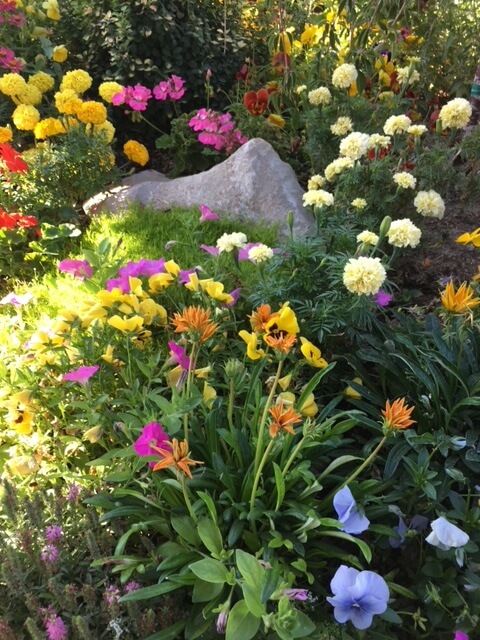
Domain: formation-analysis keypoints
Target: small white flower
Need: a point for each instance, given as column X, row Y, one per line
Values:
column 367, row 237
column 405, row 180
column 260, row 253
column 446, row 535
column 230, row 241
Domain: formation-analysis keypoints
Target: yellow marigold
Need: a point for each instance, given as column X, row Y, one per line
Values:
column 60, row 53
column 47, row 128
column 30, row 95
column 5, row 134
column 67, row 101
column 108, row 89
column 43, row 81
column 25, row 117
column 12, row 84
column 92, row 112
column 105, row 129
column 455, row 114
column 77, row 80
column 136, row 152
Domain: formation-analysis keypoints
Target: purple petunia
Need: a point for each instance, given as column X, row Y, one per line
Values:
column 358, row 596
column 347, row 512
column 77, row 268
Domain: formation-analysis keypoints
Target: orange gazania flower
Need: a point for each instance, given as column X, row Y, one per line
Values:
column 196, row 321
column 177, row 458
column 281, row 342
column 461, row 301
column 397, row 415
column 283, row 419
column 256, row 101
column 260, row 317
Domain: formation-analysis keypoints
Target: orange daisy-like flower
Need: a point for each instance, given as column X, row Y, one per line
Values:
column 281, row 342
column 461, row 301
column 260, row 317
column 397, row 415
column 177, row 458
column 195, row 321
column 283, row 419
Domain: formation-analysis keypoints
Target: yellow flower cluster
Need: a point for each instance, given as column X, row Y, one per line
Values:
column 359, row 203
column 108, row 89
column 47, row 128
column 67, row 102
column 5, row 134
column 316, row 182
column 42, row 81
column 12, row 84
column 77, row 80
column 91, row 112
column 136, row 152
column 60, row 53
column 25, row 117
column 52, row 10
column 30, row 95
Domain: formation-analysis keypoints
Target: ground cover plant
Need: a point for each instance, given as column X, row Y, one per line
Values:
column 207, row 430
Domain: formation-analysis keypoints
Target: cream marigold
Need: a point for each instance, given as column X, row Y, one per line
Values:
column 396, row 124
column 377, row 141
column 92, row 112
column 355, row 145
column 367, row 237
column 12, row 84
column 364, row 275
column 407, row 75
column 344, row 76
column 230, row 241
column 76, row 80
column 136, row 152
column 318, row 198
column 342, row 126
column 316, row 182
column 405, row 180
column 108, row 89
column 25, row 117
column 429, row 204
column 455, row 114
column 403, row 233
column 320, row 97
column 260, row 253
column 417, row 130
column 359, row 203
column 337, row 167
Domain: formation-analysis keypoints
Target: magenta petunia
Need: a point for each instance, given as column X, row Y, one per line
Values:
column 81, row 375
column 207, row 214
column 77, row 268
column 211, row 250
column 152, row 434
column 179, row 356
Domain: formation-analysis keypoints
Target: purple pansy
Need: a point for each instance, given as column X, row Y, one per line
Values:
column 77, row 268
column 358, row 596
column 347, row 512
column 179, row 356
column 459, row 635
column 152, row 434
column 81, row 375
column 418, row 524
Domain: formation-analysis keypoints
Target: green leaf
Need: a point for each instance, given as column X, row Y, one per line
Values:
column 171, row 633
column 303, row 626
column 338, row 462
column 363, row 546
column 280, row 484
column 253, row 600
column 250, row 568
column 210, row 536
column 185, row 527
column 206, row 591
column 150, row 592
column 210, row 570
column 403, row 591
column 207, row 498
column 241, row 624
column 312, row 384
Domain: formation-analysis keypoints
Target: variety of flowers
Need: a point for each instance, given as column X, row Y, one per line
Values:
column 358, row 596
column 364, row 275
column 344, row 76
column 446, row 535
column 429, row 204
column 403, row 233
column 455, row 114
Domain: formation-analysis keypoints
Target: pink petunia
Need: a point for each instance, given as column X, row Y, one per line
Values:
column 152, row 434
column 77, row 268
column 81, row 375
column 207, row 214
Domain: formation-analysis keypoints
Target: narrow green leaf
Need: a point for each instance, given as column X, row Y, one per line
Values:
column 363, row 546
column 280, row 484
column 171, row 633
column 150, row 592
column 338, row 462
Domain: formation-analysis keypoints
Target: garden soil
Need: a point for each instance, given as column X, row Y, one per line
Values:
column 425, row 270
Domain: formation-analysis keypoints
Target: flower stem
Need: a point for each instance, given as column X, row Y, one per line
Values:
column 186, row 497
column 293, row 455
column 259, row 473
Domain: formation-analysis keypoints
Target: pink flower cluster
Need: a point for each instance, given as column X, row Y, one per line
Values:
column 54, row 625
column 10, row 15
column 137, row 97
column 9, row 61
column 217, row 130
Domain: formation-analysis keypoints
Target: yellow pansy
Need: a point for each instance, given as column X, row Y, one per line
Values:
column 172, row 267
column 126, row 325
column 215, row 290
column 209, row 395
column 23, row 465
column 159, row 281
column 352, row 393
column 251, row 339
column 93, row 435
column 152, row 312
column 285, row 321
column 312, row 354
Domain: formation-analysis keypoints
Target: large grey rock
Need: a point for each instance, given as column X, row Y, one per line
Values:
column 252, row 184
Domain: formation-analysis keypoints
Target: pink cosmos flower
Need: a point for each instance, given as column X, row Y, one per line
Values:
column 207, row 214
column 81, row 375
column 152, row 434
column 77, row 268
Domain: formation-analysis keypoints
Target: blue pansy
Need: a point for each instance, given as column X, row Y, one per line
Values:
column 347, row 512
column 418, row 524
column 358, row 596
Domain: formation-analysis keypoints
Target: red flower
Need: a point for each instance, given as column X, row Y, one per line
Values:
column 7, row 221
column 381, row 154
column 12, row 160
column 256, row 101
column 242, row 74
